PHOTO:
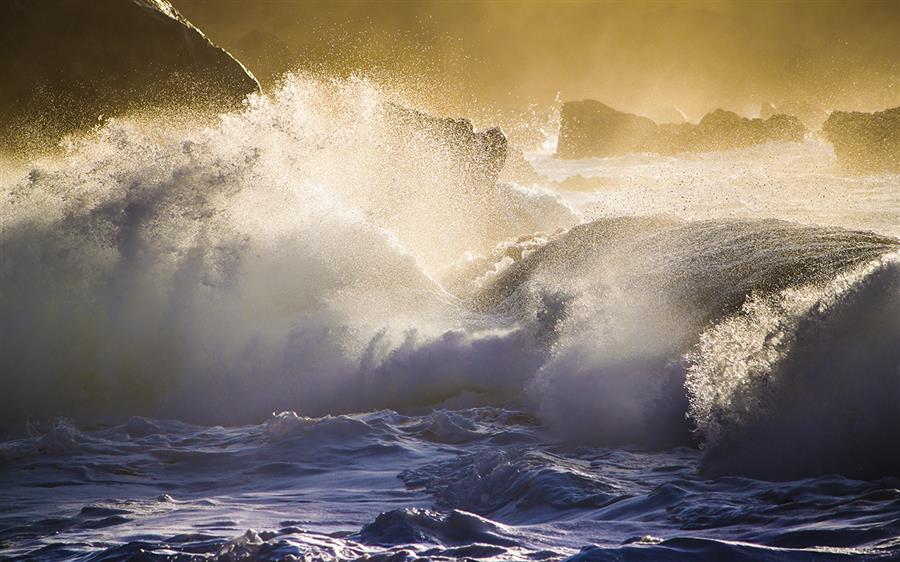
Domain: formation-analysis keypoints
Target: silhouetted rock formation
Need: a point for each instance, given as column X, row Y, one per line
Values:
column 723, row 130
column 866, row 142
column 589, row 129
column 67, row 62
column 811, row 115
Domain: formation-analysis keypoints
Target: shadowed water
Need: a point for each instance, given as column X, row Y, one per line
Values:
column 483, row 483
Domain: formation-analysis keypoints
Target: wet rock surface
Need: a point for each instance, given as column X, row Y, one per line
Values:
column 121, row 57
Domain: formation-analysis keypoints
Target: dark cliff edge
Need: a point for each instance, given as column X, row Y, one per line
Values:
column 865, row 142
column 68, row 63
column 590, row 128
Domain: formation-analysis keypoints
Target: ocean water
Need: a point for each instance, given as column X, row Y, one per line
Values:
column 302, row 332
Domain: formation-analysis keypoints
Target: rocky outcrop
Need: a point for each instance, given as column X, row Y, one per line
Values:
column 724, row 130
column 592, row 129
column 66, row 63
column 865, row 142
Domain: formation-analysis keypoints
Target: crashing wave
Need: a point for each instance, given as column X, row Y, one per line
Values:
column 283, row 260
column 632, row 297
column 273, row 261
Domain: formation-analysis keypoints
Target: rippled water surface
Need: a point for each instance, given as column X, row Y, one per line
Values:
column 482, row 483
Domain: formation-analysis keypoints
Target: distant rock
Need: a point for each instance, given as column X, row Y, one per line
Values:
column 66, row 63
column 591, row 129
column 723, row 130
column 865, row 142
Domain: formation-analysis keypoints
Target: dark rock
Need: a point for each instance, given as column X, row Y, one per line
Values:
column 592, row 129
column 866, row 142
column 723, row 130
column 66, row 63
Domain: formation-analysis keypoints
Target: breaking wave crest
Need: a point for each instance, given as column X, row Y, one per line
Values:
column 805, row 381
column 748, row 337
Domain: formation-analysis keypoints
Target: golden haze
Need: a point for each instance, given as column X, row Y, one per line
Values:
column 486, row 59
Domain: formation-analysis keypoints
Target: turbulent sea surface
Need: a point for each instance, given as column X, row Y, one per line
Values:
column 299, row 333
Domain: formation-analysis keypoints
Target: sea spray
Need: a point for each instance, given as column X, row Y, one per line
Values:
column 266, row 262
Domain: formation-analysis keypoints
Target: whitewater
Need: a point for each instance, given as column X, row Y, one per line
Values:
column 309, row 330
